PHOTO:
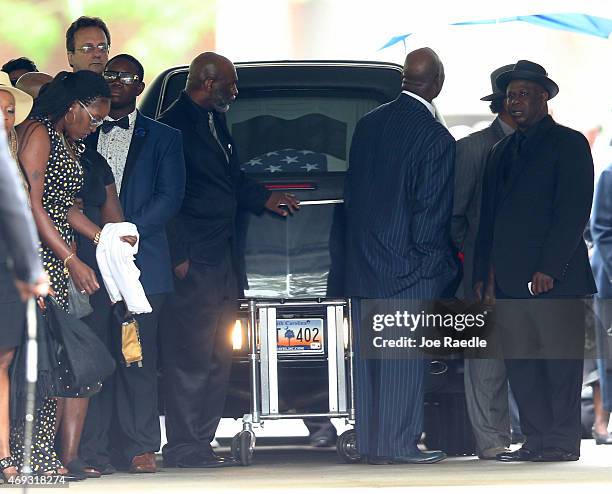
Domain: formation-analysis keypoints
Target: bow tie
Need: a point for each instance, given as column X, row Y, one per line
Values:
column 107, row 125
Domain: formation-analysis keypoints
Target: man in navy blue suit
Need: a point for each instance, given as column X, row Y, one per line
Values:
column 146, row 158
column 398, row 200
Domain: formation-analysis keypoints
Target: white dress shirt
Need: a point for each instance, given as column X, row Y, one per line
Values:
column 427, row 104
column 114, row 146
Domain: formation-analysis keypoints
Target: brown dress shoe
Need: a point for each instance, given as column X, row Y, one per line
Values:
column 144, row 463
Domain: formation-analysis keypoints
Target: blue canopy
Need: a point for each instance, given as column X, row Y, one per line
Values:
column 577, row 23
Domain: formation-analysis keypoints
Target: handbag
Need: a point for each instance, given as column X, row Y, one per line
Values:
column 78, row 302
column 83, row 360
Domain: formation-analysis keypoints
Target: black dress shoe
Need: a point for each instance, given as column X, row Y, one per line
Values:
column 522, row 454
column 206, row 462
column 208, row 457
column 105, row 468
column 556, row 454
column 323, row 440
column 420, row 457
column 79, row 468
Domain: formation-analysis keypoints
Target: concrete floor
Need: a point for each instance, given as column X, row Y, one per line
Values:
column 300, row 468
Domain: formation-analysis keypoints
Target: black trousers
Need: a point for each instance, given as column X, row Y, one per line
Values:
column 547, row 393
column 547, row 381
column 137, row 428
column 123, row 419
column 320, row 426
column 197, row 354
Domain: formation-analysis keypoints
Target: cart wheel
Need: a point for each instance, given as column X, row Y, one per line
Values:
column 242, row 447
column 347, row 447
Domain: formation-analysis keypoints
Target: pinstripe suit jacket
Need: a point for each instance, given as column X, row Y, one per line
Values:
column 470, row 161
column 398, row 201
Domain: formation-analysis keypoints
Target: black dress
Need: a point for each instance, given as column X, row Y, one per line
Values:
column 94, row 447
column 97, row 175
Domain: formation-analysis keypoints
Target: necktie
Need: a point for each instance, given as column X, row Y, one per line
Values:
column 515, row 149
column 123, row 122
column 520, row 140
column 213, row 131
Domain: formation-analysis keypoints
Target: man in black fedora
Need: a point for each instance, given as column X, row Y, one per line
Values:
column 486, row 385
column 532, row 260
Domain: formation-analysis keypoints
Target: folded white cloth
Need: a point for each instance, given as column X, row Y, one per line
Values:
column 116, row 262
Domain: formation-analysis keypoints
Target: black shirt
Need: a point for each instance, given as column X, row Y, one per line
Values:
column 97, row 175
column 521, row 145
column 205, row 227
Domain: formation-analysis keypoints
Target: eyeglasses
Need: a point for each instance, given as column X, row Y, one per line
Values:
column 521, row 95
column 89, row 48
column 126, row 78
column 94, row 122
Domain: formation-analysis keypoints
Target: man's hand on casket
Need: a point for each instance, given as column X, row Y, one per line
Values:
column 278, row 199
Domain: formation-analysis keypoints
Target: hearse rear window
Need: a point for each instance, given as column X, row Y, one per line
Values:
column 286, row 135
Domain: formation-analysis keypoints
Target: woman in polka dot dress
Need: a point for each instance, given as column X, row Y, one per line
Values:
column 71, row 107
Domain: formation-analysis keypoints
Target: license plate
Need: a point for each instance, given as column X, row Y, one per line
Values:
column 299, row 335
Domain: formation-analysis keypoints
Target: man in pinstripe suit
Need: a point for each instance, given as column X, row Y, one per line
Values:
column 398, row 200
column 486, row 385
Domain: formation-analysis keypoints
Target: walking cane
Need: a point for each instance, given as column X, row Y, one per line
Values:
column 31, row 378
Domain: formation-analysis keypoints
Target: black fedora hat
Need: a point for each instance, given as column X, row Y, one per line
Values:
column 497, row 94
column 529, row 71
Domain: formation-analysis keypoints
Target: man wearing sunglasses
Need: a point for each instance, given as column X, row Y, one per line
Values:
column 87, row 44
column 146, row 159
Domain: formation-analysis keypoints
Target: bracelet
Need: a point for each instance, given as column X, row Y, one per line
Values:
column 66, row 272
column 96, row 239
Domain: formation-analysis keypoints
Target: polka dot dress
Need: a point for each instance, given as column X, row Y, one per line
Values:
column 63, row 180
column 43, row 458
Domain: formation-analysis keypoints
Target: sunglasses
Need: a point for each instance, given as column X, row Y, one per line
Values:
column 89, row 48
column 126, row 78
column 94, row 122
